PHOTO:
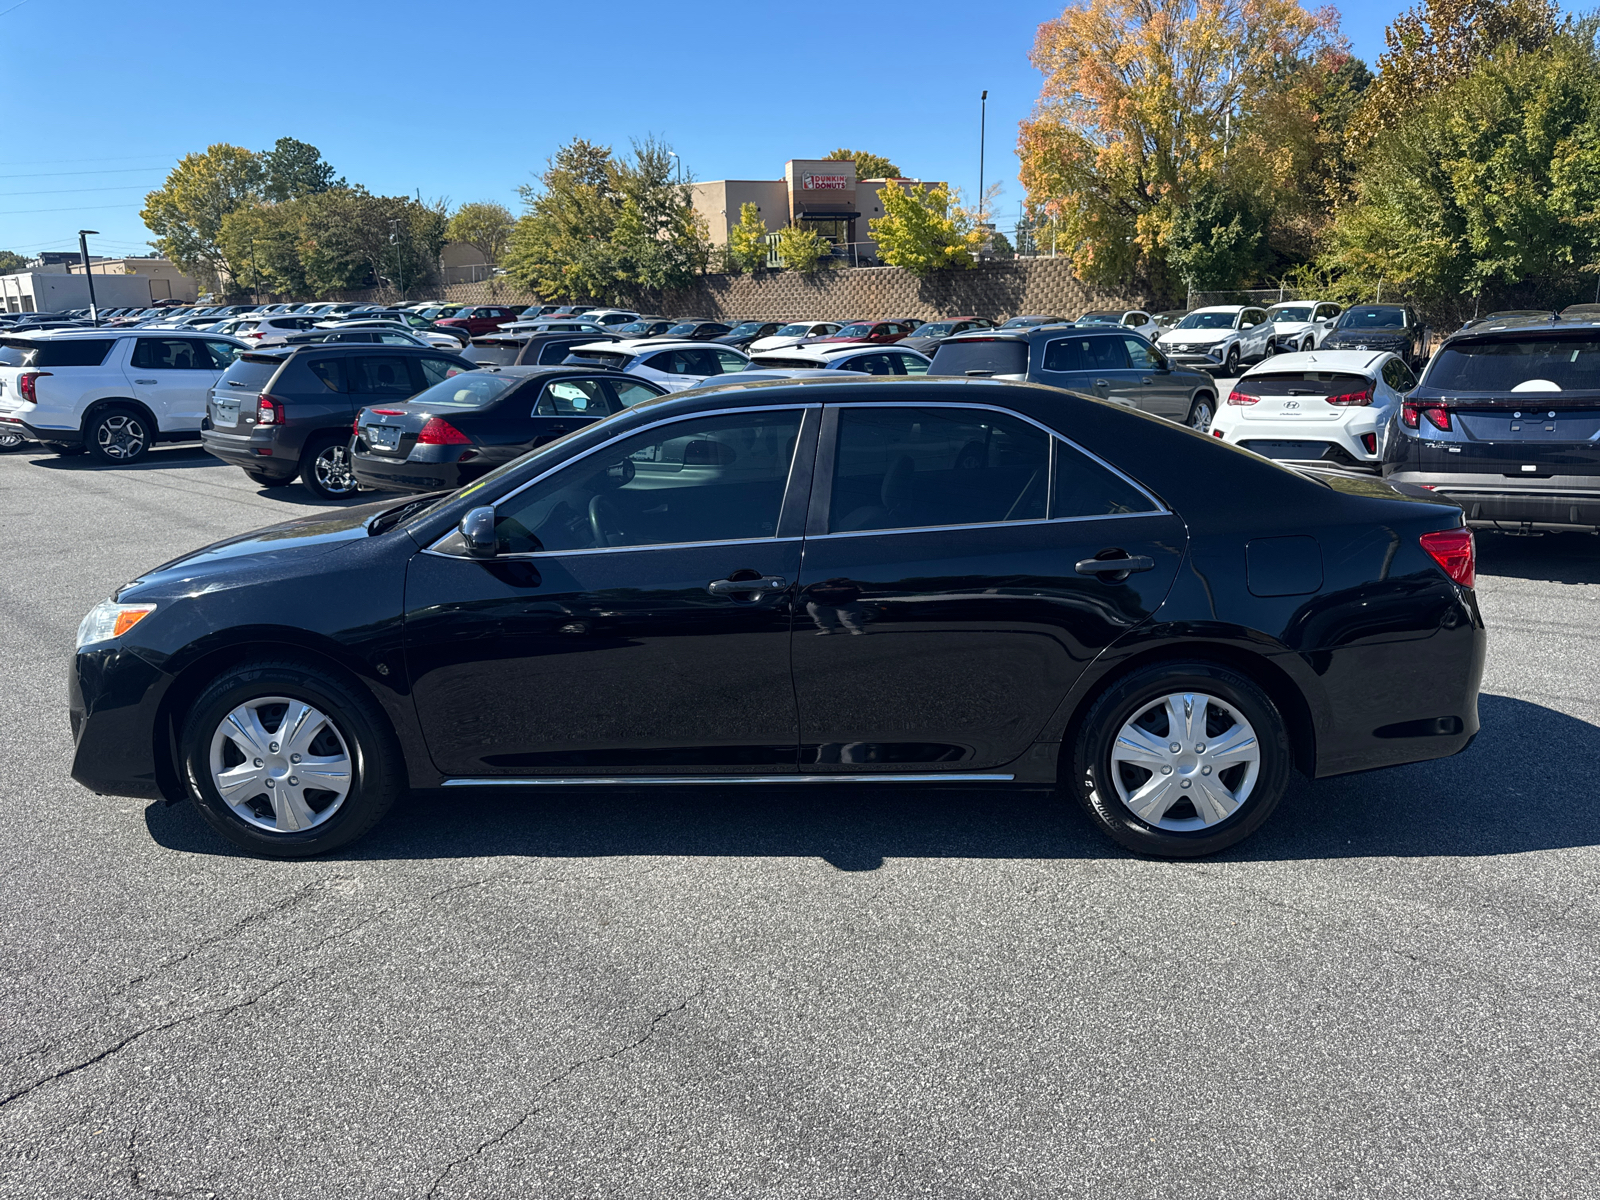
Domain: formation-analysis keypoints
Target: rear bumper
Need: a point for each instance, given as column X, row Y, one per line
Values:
column 244, row 450
column 40, row 433
column 1556, row 504
column 384, row 473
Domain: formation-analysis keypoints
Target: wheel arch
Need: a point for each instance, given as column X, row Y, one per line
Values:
column 93, row 410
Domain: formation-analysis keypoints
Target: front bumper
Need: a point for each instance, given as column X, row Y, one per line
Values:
column 1202, row 359
column 113, row 696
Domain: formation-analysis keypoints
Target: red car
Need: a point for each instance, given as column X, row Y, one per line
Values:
column 481, row 318
column 881, row 332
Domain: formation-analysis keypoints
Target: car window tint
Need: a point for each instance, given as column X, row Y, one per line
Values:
column 222, row 354
column 872, row 364
column 1067, row 354
column 698, row 480
column 1084, row 488
column 981, row 356
column 727, row 362
column 70, row 352
column 379, row 375
column 1398, row 376
column 572, row 398
column 437, row 370
column 170, row 354
column 910, row 364
column 903, row 468
column 330, row 371
column 629, row 394
column 555, row 352
column 1140, row 356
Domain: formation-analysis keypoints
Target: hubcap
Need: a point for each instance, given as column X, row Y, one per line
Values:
column 1185, row 761
column 120, row 436
column 333, row 469
column 280, row 764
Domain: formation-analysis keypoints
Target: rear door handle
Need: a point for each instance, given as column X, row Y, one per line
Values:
column 147, row 381
column 1102, row 383
column 748, row 590
column 1124, row 565
column 1147, row 380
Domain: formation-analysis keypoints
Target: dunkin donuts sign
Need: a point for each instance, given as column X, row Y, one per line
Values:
column 826, row 183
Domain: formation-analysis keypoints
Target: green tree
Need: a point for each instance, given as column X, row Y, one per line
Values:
column 747, row 241
column 11, row 262
column 868, row 165
column 922, row 230
column 293, row 169
column 803, row 250
column 658, row 241
column 187, row 211
column 1219, row 241
column 485, row 226
column 264, row 242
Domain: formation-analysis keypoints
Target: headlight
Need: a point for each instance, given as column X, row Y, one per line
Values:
column 108, row 619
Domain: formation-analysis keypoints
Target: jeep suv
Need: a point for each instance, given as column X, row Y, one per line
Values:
column 113, row 392
column 282, row 413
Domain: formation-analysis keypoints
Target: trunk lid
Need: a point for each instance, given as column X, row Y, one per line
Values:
column 1301, row 396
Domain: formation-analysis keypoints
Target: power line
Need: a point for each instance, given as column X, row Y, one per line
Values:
column 17, row 212
column 121, row 187
column 118, row 171
column 51, row 162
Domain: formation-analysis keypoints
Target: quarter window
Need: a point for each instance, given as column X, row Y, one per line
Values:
column 572, row 398
column 380, row 375
column 711, row 479
column 437, row 370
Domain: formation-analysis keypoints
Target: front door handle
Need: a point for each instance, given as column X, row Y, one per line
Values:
column 1102, row 383
column 1115, row 570
column 750, row 590
column 147, row 381
column 1147, row 380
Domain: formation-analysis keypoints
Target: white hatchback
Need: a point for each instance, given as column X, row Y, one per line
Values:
column 1330, row 407
column 672, row 365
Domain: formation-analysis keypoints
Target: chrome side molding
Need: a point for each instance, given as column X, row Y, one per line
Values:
column 548, row 781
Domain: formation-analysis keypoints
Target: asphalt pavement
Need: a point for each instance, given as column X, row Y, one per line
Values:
column 1389, row 991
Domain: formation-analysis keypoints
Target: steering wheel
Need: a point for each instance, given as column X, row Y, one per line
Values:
column 605, row 522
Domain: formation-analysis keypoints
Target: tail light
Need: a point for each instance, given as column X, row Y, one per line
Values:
column 1454, row 551
column 1216, row 433
column 1350, row 399
column 1238, row 397
column 1411, row 414
column 1370, row 441
column 28, row 385
column 269, row 410
column 441, row 433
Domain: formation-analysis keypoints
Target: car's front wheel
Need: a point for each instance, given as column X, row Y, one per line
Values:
column 287, row 760
column 118, row 435
column 1181, row 759
column 325, row 469
column 1230, row 366
column 1309, row 344
column 1201, row 413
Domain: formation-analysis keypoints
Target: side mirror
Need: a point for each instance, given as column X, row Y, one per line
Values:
column 477, row 531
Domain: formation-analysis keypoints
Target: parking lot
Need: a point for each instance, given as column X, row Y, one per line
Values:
column 1389, row 991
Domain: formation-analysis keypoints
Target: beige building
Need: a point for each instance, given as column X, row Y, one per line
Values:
column 822, row 194
column 166, row 281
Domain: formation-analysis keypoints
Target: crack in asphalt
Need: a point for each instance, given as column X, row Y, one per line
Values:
column 124, row 1043
column 243, row 923
column 566, row 1073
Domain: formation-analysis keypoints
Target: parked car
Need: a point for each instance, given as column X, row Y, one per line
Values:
column 793, row 334
column 742, row 334
column 1135, row 319
column 418, row 325
column 865, row 360
column 1130, row 635
column 439, row 312
column 268, row 330
column 443, row 339
column 1390, row 327
column 926, row 338
column 479, row 319
column 281, row 413
column 643, row 328
column 392, row 336
column 1331, row 407
column 1541, row 313
column 1301, row 324
column 1112, row 365
column 879, row 333
column 1219, row 338
column 1031, row 322
column 1506, row 423
column 555, row 325
column 112, row 392
column 610, row 318
column 505, row 348
column 692, row 329
column 671, row 365
column 459, row 430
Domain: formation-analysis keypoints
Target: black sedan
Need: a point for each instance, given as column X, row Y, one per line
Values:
column 930, row 581
column 1390, row 327
column 742, row 334
column 464, row 427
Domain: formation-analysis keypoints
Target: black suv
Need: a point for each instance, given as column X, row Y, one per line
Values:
column 281, row 413
column 1391, row 327
column 1505, row 423
column 1112, row 364
column 524, row 349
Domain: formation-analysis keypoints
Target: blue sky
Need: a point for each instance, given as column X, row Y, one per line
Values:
column 467, row 100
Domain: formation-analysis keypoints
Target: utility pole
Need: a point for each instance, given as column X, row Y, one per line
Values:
column 983, row 122
column 83, row 254
column 399, row 263
column 255, row 276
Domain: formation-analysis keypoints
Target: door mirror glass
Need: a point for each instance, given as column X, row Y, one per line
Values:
column 477, row 532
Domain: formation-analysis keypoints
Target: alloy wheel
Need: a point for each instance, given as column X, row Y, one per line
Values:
column 1185, row 761
column 9, row 441
column 332, row 469
column 280, row 764
column 120, row 436
column 1200, row 416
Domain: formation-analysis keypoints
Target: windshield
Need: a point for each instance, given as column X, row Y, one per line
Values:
column 937, row 329
column 1298, row 313
column 1535, row 365
column 850, row 331
column 683, row 330
column 745, row 328
column 466, row 390
column 1209, row 320
column 793, row 331
column 1105, row 318
column 635, row 327
column 1372, row 318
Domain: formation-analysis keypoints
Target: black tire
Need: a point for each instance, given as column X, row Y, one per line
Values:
column 377, row 775
column 325, row 468
column 1201, row 413
column 119, row 435
column 269, row 481
column 1091, row 765
column 1230, row 365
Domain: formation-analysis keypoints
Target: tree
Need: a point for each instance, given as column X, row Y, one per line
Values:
column 868, row 166
column 11, row 262
column 187, row 211
column 747, row 241
column 803, row 250
column 923, row 231
column 1142, row 101
column 485, row 226
column 1219, row 241
column 264, row 242
column 293, row 169
column 659, row 241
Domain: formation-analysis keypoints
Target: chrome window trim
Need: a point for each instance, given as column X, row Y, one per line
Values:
column 665, row 421
column 574, row 780
column 529, row 554
column 850, row 533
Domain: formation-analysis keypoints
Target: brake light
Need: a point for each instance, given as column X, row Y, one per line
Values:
column 1216, row 433
column 441, row 433
column 269, row 410
column 1238, row 397
column 1455, row 552
column 1439, row 418
column 27, row 384
column 388, row 412
column 1411, row 415
column 1348, row 399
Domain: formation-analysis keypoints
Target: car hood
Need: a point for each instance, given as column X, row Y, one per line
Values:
column 271, row 548
column 775, row 343
column 1291, row 326
column 1196, row 337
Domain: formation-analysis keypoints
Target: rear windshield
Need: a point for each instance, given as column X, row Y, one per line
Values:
column 84, row 352
column 988, row 356
column 467, row 390
column 250, row 372
column 1302, row 383
column 1535, row 365
column 497, row 354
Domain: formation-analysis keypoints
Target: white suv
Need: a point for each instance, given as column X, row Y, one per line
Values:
column 112, row 392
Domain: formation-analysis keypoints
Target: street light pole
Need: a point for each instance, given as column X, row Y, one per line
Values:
column 983, row 122
column 678, row 163
column 83, row 254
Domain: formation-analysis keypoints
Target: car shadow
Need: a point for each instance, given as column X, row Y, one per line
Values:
column 160, row 458
column 1492, row 799
column 1556, row 557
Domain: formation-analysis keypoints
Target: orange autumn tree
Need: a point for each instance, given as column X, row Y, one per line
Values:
column 1145, row 102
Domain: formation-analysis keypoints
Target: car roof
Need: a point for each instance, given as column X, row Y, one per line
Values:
column 1225, row 308
column 646, row 345
column 1364, row 361
column 1543, row 326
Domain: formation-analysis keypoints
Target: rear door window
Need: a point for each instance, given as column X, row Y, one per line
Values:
column 379, row 375
column 872, row 364
column 329, row 371
column 170, row 354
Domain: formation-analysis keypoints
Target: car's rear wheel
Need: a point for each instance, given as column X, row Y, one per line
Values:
column 118, row 435
column 325, row 469
column 287, row 760
column 1201, row 413
column 10, row 441
column 1181, row 759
